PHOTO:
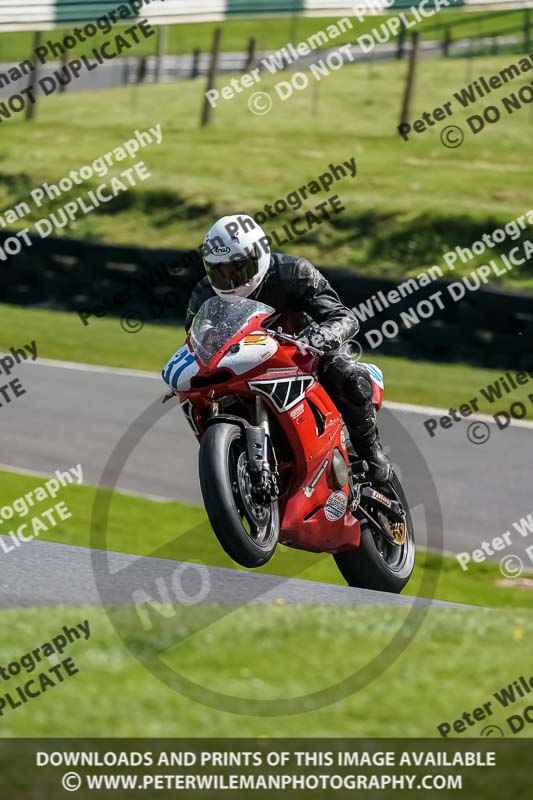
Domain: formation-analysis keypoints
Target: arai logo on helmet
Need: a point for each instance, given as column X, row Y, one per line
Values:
column 221, row 251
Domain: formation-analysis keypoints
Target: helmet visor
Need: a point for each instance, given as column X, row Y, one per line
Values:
column 226, row 276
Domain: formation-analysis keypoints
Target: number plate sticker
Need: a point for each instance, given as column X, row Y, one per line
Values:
column 180, row 369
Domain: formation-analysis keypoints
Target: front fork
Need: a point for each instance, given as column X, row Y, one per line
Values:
column 261, row 421
column 263, row 476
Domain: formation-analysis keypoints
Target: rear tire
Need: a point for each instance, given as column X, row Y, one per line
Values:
column 224, row 478
column 367, row 567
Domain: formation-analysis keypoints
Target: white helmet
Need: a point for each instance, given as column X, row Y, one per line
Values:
column 236, row 255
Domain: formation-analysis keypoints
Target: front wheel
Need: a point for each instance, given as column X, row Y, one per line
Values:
column 378, row 563
column 248, row 531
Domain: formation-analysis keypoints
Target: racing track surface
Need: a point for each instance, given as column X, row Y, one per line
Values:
column 49, row 574
column 73, row 416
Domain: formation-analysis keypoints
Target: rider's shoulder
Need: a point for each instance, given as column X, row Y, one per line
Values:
column 203, row 286
column 293, row 268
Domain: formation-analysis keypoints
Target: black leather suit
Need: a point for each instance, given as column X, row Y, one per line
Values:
column 301, row 295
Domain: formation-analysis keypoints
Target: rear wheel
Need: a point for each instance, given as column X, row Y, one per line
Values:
column 247, row 530
column 378, row 563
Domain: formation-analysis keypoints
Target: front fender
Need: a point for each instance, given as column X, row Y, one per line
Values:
column 233, row 419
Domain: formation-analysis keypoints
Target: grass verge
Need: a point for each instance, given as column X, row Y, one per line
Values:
column 269, row 653
column 410, row 203
column 259, row 653
column 182, row 533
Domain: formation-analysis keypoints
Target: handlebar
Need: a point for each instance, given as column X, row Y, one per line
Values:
column 294, row 340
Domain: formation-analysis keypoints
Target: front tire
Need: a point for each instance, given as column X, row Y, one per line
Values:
column 247, row 531
column 376, row 563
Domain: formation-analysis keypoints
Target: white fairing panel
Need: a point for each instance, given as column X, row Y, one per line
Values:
column 180, row 369
column 254, row 349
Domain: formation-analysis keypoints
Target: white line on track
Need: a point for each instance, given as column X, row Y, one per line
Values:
column 433, row 412
column 74, row 365
column 34, row 473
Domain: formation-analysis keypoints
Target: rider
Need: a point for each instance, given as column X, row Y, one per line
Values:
column 238, row 262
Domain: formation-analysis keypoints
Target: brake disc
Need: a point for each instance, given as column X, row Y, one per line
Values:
column 257, row 513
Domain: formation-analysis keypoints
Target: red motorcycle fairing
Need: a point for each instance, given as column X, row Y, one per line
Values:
column 314, row 500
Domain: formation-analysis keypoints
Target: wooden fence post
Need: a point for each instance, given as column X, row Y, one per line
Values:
column 161, row 45
column 32, row 107
column 141, row 70
column 446, row 42
column 401, row 43
column 64, row 60
column 409, row 85
column 295, row 18
column 195, row 69
column 206, row 111
column 250, row 57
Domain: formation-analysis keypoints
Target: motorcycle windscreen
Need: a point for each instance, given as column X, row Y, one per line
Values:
column 218, row 320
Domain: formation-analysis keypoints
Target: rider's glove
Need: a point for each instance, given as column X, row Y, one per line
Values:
column 321, row 337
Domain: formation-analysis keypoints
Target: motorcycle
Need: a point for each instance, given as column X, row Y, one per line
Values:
column 276, row 463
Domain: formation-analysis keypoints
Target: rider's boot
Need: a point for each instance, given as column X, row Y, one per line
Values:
column 350, row 386
column 365, row 439
column 371, row 450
